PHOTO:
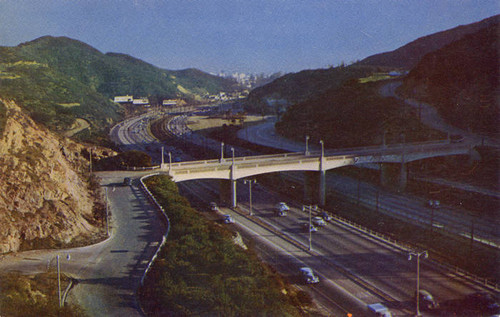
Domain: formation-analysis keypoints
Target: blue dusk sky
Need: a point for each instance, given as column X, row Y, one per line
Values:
column 252, row 36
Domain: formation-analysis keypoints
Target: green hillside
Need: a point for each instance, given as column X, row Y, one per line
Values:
column 58, row 79
column 462, row 81
column 353, row 115
column 296, row 87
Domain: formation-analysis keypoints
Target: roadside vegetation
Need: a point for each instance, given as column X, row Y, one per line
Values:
column 354, row 115
column 33, row 295
column 3, row 118
column 201, row 271
column 123, row 161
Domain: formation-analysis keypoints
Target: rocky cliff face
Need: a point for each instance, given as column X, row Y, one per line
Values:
column 45, row 198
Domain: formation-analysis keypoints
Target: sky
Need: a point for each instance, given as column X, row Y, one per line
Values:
column 251, row 36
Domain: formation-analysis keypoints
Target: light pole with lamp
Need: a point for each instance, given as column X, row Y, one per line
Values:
column 221, row 151
column 107, row 203
column 418, row 254
column 169, row 162
column 307, row 145
column 58, row 264
column 310, row 207
column 250, row 182
column 322, row 149
column 232, row 152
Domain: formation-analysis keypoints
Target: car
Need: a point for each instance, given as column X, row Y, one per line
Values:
column 213, row 206
column 482, row 302
column 311, row 228
column 127, row 181
column 228, row 219
column 318, row 221
column 379, row 310
column 326, row 216
column 434, row 204
column 308, row 275
column 426, row 300
column 281, row 209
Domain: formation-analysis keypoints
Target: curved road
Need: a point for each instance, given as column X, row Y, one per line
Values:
column 107, row 274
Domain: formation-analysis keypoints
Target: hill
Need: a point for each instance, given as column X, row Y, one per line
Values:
column 461, row 80
column 409, row 55
column 297, row 87
column 58, row 79
column 46, row 199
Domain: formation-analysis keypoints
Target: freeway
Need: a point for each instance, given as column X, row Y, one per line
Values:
column 355, row 269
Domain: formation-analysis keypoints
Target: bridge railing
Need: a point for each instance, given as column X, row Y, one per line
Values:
column 165, row 218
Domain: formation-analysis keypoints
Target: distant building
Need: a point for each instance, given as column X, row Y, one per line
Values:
column 123, row 99
column 169, row 102
column 141, row 101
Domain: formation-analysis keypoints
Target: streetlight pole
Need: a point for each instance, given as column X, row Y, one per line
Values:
column 169, row 162
column 322, row 149
column 307, row 145
column 58, row 281
column 221, row 151
column 418, row 254
column 232, row 151
column 250, row 182
column 304, row 207
column 107, row 203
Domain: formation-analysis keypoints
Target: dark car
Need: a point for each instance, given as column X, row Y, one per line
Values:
column 127, row 181
column 426, row 300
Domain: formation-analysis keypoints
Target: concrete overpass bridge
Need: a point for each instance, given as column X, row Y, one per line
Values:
column 315, row 163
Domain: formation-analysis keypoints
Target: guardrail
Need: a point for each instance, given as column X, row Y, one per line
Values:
column 167, row 222
column 492, row 285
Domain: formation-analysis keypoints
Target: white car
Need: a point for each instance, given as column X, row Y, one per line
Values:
column 281, row 209
column 228, row 219
column 311, row 228
column 318, row 221
column 308, row 275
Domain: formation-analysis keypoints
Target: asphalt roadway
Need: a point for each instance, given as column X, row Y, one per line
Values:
column 106, row 274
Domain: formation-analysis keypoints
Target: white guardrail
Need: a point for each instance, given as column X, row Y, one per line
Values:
column 406, row 247
column 159, row 208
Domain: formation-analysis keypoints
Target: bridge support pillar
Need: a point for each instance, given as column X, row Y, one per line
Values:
column 394, row 175
column 403, row 176
column 227, row 192
column 315, row 188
